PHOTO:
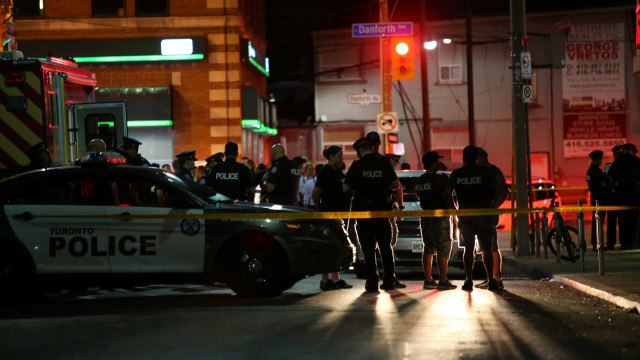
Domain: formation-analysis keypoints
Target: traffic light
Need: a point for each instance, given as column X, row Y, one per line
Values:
column 402, row 58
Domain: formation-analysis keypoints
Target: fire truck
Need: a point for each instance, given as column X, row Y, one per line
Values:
column 51, row 100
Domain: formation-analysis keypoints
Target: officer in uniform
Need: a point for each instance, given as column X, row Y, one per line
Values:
column 129, row 150
column 39, row 157
column 186, row 164
column 373, row 181
column 281, row 180
column 475, row 188
column 598, row 183
column 625, row 172
column 231, row 178
column 612, row 216
column 433, row 190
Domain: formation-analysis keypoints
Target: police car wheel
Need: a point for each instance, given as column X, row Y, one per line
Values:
column 17, row 278
column 255, row 265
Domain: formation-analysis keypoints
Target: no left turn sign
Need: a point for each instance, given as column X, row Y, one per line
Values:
column 388, row 122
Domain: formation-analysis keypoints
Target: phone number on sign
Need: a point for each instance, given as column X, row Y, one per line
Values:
column 594, row 144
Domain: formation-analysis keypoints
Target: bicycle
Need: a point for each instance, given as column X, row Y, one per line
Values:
column 568, row 237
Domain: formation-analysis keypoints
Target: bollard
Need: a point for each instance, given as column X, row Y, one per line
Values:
column 545, row 233
column 558, row 234
column 599, row 241
column 581, row 243
column 536, row 229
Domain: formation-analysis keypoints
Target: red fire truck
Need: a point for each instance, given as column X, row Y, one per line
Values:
column 51, row 100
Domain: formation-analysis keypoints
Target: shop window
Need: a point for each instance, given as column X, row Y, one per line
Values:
column 152, row 8
column 24, row 9
column 107, row 8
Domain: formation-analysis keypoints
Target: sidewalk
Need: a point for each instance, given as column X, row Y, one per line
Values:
column 620, row 283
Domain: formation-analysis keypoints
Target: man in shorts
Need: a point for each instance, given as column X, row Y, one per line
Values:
column 433, row 190
column 475, row 188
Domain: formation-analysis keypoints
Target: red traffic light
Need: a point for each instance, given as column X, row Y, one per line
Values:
column 402, row 58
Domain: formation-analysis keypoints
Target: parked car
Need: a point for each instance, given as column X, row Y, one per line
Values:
column 99, row 224
column 408, row 249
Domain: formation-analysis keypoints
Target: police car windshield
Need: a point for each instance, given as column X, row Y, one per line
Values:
column 204, row 192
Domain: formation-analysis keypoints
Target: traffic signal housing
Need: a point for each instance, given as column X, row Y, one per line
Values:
column 402, row 58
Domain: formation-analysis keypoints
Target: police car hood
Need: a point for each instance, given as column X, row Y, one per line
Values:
column 248, row 207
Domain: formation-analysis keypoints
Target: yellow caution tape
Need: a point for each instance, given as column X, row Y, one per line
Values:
column 356, row 214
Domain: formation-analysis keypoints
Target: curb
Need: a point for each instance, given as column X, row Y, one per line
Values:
column 603, row 292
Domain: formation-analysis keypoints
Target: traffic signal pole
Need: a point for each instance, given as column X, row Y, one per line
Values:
column 385, row 61
column 519, row 135
column 424, row 80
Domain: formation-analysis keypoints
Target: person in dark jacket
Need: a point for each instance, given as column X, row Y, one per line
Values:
column 598, row 184
column 281, row 181
column 625, row 172
column 129, row 150
column 39, row 157
column 373, row 181
column 231, row 178
column 186, row 164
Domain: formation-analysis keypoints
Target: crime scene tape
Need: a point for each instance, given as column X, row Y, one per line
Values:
column 316, row 215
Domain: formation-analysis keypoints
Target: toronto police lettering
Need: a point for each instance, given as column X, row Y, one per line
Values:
column 79, row 246
column 372, row 173
column 296, row 172
column 423, row 187
column 226, row 176
column 469, row 180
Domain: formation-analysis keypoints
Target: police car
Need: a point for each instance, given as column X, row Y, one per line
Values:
column 93, row 225
column 408, row 248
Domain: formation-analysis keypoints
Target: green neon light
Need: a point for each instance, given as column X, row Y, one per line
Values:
column 258, row 66
column 110, row 123
column 132, row 58
column 251, row 123
column 149, row 123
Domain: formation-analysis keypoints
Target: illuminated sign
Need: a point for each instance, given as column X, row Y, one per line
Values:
column 255, row 57
column 176, row 47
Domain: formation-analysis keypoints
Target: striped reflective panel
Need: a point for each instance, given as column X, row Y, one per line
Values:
column 20, row 129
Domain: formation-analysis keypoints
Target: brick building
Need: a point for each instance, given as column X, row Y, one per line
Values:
column 198, row 66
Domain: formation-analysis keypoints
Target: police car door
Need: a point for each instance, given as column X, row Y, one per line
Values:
column 170, row 241
column 59, row 216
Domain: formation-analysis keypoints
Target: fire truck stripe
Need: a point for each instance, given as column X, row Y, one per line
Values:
column 18, row 139
column 25, row 120
column 33, row 91
column 10, row 155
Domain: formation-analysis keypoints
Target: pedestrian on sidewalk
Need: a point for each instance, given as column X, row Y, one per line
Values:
column 625, row 171
column 433, row 191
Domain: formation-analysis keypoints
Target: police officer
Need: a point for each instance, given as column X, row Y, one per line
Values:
column 625, row 172
column 598, row 183
column 39, row 157
column 373, row 181
column 231, row 178
column 612, row 216
column 280, row 182
column 433, row 190
column 186, row 164
column 475, row 188
column 129, row 150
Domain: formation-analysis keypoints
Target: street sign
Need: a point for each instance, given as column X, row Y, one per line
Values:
column 387, row 122
column 364, row 99
column 382, row 29
column 527, row 93
column 526, row 66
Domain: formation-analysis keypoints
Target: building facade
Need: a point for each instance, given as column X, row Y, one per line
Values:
column 191, row 71
column 584, row 92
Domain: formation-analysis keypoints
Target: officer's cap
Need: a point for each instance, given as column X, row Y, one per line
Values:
column 430, row 156
column 630, row 146
column 595, row 155
column 617, row 148
column 374, row 137
column 35, row 149
column 362, row 142
column 187, row 154
column 130, row 142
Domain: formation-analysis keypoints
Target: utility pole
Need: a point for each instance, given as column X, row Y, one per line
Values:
column 519, row 110
column 471, row 108
column 385, row 61
column 424, row 78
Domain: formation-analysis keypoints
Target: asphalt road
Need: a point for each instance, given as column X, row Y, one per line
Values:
column 530, row 319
